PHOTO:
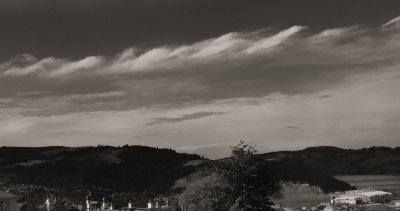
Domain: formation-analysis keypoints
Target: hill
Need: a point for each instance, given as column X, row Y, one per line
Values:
column 138, row 170
column 297, row 171
column 337, row 161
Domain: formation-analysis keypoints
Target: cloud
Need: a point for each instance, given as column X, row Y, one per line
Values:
column 49, row 63
column 147, row 135
column 71, row 67
column 269, row 42
column 97, row 95
column 390, row 120
column 28, row 65
column 392, row 24
column 231, row 46
column 289, row 88
column 292, row 127
column 359, row 103
column 254, row 64
column 185, row 117
column 366, row 129
column 324, row 96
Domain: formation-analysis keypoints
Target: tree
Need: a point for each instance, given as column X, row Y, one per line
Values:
column 35, row 198
column 249, row 182
column 61, row 202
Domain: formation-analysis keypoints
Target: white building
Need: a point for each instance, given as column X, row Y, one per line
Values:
column 395, row 203
column 361, row 196
column 8, row 201
column 349, row 199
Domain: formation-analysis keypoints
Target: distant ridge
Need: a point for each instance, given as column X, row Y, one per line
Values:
column 337, row 161
column 323, row 148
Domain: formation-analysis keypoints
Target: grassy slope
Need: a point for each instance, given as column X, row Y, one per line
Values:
column 297, row 195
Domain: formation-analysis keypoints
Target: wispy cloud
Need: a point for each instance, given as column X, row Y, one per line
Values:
column 392, row 24
column 185, row 117
column 28, row 65
column 231, row 46
column 292, row 127
column 324, row 96
column 234, row 65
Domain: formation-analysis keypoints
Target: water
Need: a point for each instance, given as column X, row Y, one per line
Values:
column 380, row 182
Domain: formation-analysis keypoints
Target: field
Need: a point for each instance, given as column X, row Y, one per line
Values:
column 296, row 196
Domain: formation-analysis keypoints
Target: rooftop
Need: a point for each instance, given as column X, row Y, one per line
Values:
column 375, row 193
column 348, row 196
column 368, row 192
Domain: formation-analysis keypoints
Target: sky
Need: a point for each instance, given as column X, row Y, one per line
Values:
column 198, row 76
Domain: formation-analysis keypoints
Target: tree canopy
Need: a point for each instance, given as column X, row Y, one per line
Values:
column 249, row 182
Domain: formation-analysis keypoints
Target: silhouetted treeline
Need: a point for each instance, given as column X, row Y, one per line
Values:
column 126, row 168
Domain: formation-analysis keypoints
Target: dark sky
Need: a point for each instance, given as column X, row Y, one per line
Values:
column 76, row 28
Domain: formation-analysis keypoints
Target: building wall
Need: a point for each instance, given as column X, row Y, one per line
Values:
column 346, row 201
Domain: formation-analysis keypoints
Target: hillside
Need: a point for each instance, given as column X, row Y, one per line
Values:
column 140, row 171
column 337, row 161
column 294, row 170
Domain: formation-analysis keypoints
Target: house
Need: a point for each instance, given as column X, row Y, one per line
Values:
column 8, row 201
column 350, row 199
column 163, row 202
